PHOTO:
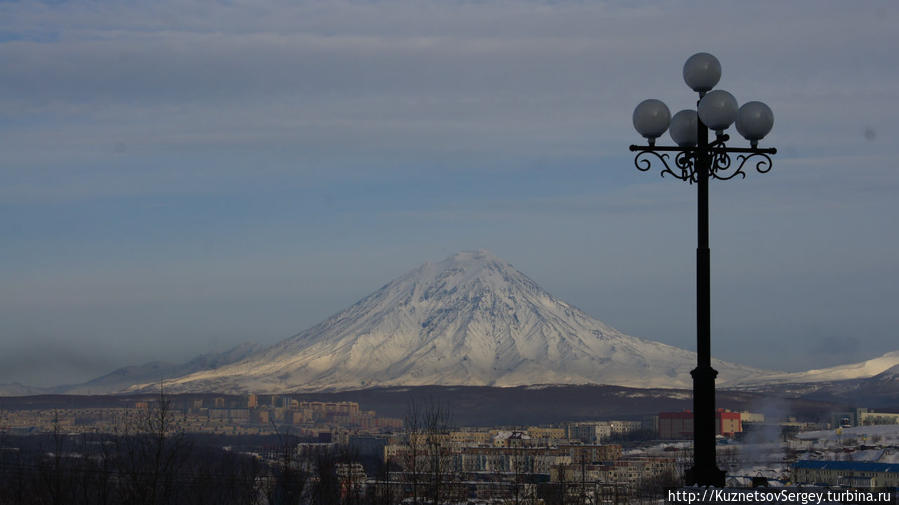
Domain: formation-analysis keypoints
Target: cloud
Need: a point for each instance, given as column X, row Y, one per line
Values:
column 353, row 80
column 51, row 365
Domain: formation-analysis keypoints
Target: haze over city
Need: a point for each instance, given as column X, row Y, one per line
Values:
column 179, row 177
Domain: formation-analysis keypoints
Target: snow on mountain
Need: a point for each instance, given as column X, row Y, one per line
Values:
column 471, row 319
column 889, row 375
column 881, row 365
column 19, row 389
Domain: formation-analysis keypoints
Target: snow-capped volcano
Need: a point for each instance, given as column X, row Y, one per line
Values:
column 471, row 319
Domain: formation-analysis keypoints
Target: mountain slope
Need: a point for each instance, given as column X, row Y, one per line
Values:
column 471, row 319
column 19, row 389
column 862, row 370
column 831, row 385
column 155, row 371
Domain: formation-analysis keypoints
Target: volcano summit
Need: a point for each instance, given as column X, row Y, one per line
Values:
column 471, row 319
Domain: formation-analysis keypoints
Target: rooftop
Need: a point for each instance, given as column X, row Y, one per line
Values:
column 862, row 466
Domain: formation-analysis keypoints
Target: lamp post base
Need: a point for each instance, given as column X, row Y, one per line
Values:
column 705, row 476
column 705, row 471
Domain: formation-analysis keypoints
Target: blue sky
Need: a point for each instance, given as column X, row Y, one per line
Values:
column 181, row 176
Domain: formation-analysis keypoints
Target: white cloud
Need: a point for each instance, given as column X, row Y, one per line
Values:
column 491, row 79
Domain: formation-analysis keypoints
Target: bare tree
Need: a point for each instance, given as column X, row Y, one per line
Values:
column 382, row 494
column 437, row 425
column 561, row 488
column 413, row 426
column 582, row 462
column 327, row 487
column 351, row 481
column 54, row 472
column 288, row 480
column 154, row 452
column 520, row 468
column 427, row 460
column 650, row 488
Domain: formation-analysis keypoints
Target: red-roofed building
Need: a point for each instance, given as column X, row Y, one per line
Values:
column 679, row 425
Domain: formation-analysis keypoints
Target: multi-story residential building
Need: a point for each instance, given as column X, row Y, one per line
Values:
column 593, row 453
column 625, row 471
column 237, row 416
column 351, row 478
column 868, row 417
column 472, row 438
column 846, row 473
column 592, row 432
column 589, row 432
column 531, row 460
column 751, row 417
column 622, row 427
column 546, row 436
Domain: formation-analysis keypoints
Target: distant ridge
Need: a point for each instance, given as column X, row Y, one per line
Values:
column 154, row 372
column 862, row 370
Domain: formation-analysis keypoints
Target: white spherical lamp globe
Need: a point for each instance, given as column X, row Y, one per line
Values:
column 754, row 121
column 683, row 129
column 702, row 71
column 718, row 110
column 651, row 118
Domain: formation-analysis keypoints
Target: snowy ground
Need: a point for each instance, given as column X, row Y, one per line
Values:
column 772, row 458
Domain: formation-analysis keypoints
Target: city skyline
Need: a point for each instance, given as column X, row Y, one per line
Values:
column 180, row 178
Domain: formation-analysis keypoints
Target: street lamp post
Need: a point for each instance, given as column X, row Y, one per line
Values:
column 696, row 161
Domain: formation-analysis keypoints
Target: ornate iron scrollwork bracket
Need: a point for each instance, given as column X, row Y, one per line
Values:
column 721, row 166
column 684, row 166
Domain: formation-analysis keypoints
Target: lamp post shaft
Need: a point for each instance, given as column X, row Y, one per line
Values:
column 703, row 288
column 705, row 471
column 698, row 161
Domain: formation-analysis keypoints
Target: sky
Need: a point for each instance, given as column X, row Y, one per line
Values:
column 178, row 177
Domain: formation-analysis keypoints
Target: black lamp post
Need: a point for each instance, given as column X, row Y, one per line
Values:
column 697, row 160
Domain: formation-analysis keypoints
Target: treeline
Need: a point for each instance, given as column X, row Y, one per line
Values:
column 149, row 463
column 132, row 469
